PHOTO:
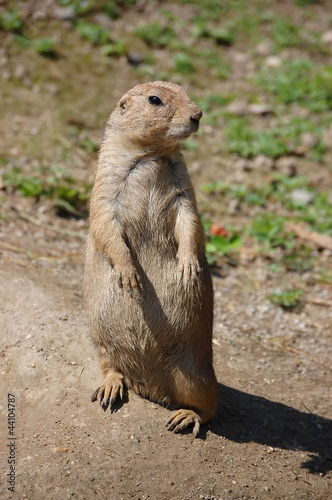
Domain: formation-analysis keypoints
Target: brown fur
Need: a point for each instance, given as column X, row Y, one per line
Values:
column 147, row 290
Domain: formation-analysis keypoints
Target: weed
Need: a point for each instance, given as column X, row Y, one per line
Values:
column 94, row 33
column 44, row 46
column 11, row 20
column 183, row 64
column 155, row 35
column 222, row 36
column 115, row 49
column 80, row 7
column 300, row 260
column 285, row 34
column 218, row 245
column 52, row 183
column 268, row 229
column 280, row 140
column 287, row 299
column 300, row 81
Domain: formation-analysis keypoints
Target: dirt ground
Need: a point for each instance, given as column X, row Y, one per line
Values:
column 272, row 435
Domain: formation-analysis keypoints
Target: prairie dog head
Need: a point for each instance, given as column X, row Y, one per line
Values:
column 156, row 114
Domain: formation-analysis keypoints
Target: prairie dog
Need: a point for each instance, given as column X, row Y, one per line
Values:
column 147, row 287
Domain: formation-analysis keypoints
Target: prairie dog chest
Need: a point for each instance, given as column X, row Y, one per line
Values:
column 153, row 193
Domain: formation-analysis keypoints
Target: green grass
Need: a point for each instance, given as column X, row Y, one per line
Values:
column 52, row 183
column 94, row 33
column 183, row 64
column 285, row 34
column 222, row 35
column 287, row 299
column 217, row 245
column 115, row 49
column 12, row 20
column 155, row 34
column 267, row 227
column 242, row 138
column 300, row 81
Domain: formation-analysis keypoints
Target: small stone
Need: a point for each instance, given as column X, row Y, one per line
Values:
column 260, row 109
column 242, row 164
column 262, row 162
column 264, row 48
column 287, row 165
column 65, row 13
column 327, row 137
column 233, row 207
column 135, row 58
column 33, row 365
column 238, row 107
column 302, row 196
column 307, row 142
column 327, row 37
column 273, row 62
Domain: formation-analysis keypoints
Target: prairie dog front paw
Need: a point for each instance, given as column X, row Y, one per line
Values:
column 129, row 279
column 188, row 269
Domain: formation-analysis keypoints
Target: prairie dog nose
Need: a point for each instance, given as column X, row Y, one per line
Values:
column 196, row 115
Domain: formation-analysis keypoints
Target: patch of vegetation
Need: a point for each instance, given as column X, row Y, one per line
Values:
column 155, row 34
column 299, row 260
column 221, row 35
column 219, row 242
column 80, row 7
column 52, row 183
column 12, row 20
column 285, row 34
column 307, row 2
column 268, row 229
column 183, row 64
column 300, row 81
column 287, row 299
column 94, row 33
column 211, row 57
column 316, row 211
column 115, row 49
column 44, row 47
column 242, row 138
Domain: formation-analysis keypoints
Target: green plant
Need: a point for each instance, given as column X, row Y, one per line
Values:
column 115, row 49
column 268, row 229
column 242, row 138
column 44, row 46
column 52, row 183
column 300, row 81
column 155, row 35
column 183, row 64
column 94, row 33
column 287, row 299
column 221, row 35
column 299, row 259
column 285, row 34
column 217, row 245
column 80, row 7
column 11, row 20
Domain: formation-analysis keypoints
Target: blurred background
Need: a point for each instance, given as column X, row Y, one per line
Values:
column 261, row 72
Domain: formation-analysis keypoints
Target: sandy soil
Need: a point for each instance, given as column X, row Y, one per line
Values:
column 270, row 439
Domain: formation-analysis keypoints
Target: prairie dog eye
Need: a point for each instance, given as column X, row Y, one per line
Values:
column 155, row 101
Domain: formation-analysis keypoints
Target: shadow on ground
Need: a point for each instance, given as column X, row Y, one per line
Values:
column 244, row 417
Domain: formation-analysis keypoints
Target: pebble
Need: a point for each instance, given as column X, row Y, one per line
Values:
column 262, row 162
column 302, row 196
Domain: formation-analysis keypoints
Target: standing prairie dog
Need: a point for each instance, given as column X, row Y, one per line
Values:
column 147, row 287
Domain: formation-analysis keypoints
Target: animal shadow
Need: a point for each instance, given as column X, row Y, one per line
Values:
column 244, row 417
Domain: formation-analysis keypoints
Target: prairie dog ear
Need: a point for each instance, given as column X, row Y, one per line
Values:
column 124, row 103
